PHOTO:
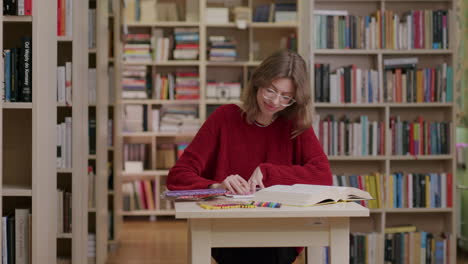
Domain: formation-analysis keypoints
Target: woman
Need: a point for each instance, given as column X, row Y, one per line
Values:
column 266, row 141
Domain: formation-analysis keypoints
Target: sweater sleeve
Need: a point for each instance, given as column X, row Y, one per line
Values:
column 187, row 172
column 312, row 168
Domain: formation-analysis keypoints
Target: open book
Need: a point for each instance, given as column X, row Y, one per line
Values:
column 308, row 195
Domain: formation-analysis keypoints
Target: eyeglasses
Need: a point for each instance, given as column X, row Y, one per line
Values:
column 270, row 94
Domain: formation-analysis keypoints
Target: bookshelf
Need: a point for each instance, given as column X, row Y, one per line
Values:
column 255, row 34
column 100, row 109
column 435, row 220
column 72, row 110
column 27, row 147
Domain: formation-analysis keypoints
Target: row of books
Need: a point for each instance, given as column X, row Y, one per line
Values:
column 167, row 155
column 343, row 136
column 152, row 10
column 384, row 29
column 64, row 84
column 92, row 86
column 64, row 212
column 136, row 157
column 183, row 118
column 142, row 195
column 17, row 7
column 403, row 82
column 91, row 248
column 419, row 137
column 369, row 183
column 17, row 237
column 64, row 18
column 417, row 247
column 139, row 195
column 222, row 48
column 347, row 84
column 64, row 144
column 419, row 190
column 363, row 247
column 18, row 72
column 281, row 11
column 177, row 86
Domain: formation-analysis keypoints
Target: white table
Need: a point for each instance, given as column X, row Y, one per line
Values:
column 310, row 227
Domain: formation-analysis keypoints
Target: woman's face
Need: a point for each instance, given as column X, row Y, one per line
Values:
column 273, row 98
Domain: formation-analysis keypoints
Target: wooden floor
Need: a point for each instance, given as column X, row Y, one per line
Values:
column 164, row 242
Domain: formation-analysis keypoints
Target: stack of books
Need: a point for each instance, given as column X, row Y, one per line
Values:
column 134, row 118
column 137, row 48
column 91, row 248
column 186, row 44
column 187, row 85
column 222, row 48
column 176, row 119
column 135, row 82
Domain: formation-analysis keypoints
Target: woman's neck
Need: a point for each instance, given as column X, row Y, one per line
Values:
column 264, row 120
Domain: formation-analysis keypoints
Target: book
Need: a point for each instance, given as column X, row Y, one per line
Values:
column 309, row 195
column 199, row 194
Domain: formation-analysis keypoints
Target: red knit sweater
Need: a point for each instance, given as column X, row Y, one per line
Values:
column 226, row 144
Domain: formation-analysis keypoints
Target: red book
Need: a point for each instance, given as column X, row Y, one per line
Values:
column 187, row 74
column 361, row 187
column 421, row 136
column 449, row 189
column 59, row 17
column 416, row 31
column 187, row 46
column 28, row 7
column 142, row 197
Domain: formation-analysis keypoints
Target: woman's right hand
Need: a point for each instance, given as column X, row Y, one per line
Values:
column 234, row 184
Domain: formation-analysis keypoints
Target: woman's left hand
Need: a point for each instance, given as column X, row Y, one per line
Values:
column 256, row 179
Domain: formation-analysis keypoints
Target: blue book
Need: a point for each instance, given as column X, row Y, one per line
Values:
column 423, row 245
column 7, row 77
column 395, row 190
column 449, row 84
column 439, row 251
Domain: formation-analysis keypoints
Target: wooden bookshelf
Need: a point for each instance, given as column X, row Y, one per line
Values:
column 100, row 111
column 28, row 151
column 425, row 219
column 73, row 48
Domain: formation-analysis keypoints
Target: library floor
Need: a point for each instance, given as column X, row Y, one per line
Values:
column 164, row 242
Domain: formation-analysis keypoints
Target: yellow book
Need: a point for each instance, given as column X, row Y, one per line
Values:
column 149, row 195
column 378, row 31
column 130, row 11
column 419, row 86
column 428, row 191
column 400, row 229
column 378, row 194
column 367, row 188
column 390, row 192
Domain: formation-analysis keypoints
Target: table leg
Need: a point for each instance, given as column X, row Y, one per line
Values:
column 199, row 241
column 339, row 240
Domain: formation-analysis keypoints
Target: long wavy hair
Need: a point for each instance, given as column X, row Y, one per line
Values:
column 281, row 64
